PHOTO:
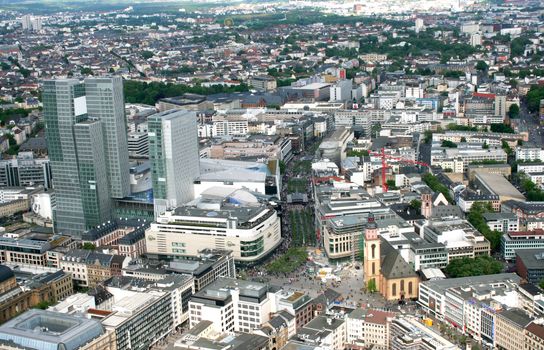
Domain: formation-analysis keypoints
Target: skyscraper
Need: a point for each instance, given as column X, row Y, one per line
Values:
column 64, row 106
column 89, row 158
column 93, row 176
column 105, row 101
column 173, row 151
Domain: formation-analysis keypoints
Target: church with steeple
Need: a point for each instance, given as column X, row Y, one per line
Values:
column 385, row 270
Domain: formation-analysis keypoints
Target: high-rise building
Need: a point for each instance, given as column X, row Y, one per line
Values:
column 105, row 101
column 86, row 136
column 93, row 177
column 420, row 25
column 173, row 151
column 64, row 106
column 26, row 22
column 31, row 23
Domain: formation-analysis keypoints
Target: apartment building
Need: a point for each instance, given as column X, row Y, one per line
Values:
column 465, row 155
column 527, row 153
column 502, row 222
column 88, row 268
column 368, row 327
column 509, row 329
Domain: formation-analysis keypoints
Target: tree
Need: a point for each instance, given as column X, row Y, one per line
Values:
column 391, row 184
column 283, row 166
column 43, row 305
column 506, row 148
column 482, row 66
column 371, row 286
column 463, row 139
column 535, row 94
column 352, row 153
column 86, row 71
column 502, row 128
column 448, row 144
column 517, row 46
column 147, row 54
column 476, row 219
column 415, row 204
column 88, row 246
column 533, row 192
column 485, row 145
column 541, row 284
column 437, row 186
column 513, row 111
column 465, row 267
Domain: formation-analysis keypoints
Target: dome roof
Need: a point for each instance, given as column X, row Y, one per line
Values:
column 5, row 273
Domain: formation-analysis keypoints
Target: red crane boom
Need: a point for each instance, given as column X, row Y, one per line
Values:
column 384, row 156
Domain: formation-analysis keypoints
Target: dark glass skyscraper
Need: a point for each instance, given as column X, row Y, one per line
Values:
column 86, row 136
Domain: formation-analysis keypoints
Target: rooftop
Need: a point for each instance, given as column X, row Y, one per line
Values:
column 40, row 329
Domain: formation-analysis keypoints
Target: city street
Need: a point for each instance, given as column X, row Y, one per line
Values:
column 536, row 133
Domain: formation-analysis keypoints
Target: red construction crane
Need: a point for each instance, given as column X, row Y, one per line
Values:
column 384, row 156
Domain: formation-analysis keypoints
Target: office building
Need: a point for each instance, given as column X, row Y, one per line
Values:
column 408, row 333
column 263, row 82
column 139, row 320
column 173, row 151
column 93, row 177
column 513, row 242
column 459, row 236
column 87, row 173
column 334, row 147
column 179, row 286
column 25, row 170
column 106, row 102
column 436, row 297
column 233, row 305
column 138, row 145
column 530, row 265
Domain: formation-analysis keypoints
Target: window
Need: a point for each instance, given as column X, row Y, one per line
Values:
column 410, row 290
column 394, row 290
column 401, row 286
column 373, row 268
column 373, row 249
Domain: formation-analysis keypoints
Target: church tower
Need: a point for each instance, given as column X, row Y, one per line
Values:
column 372, row 255
column 426, row 205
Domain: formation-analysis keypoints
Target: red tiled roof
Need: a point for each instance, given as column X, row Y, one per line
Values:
column 536, row 232
column 483, row 95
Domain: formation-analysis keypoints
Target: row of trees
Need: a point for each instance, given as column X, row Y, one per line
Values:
column 149, row 93
column 476, row 218
column 437, row 186
column 532, row 191
column 535, row 94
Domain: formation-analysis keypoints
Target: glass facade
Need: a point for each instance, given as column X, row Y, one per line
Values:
column 86, row 137
column 60, row 118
